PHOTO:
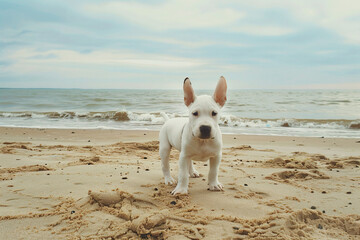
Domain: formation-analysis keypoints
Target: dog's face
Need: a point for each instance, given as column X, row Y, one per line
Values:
column 204, row 110
column 204, row 117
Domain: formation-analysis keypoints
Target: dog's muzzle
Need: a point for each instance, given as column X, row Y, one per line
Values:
column 205, row 132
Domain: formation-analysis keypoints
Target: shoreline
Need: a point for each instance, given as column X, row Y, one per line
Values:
column 88, row 183
column 107, row 135
column 157, row 130
column 123, row 120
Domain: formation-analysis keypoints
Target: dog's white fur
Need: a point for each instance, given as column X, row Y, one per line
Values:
column 192, row 137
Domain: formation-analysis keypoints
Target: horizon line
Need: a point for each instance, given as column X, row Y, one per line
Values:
column 236, row 89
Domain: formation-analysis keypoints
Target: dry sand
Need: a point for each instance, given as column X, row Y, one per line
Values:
column 107, row 184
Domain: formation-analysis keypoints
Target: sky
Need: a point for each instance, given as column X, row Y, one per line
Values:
column 153, row 44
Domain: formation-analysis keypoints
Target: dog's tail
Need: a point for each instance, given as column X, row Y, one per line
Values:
column 165, row 116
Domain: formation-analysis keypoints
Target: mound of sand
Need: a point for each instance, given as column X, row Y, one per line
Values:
column 119, row 214
column 285, row 176
column 313, row 224
column 290, row 163
column 8, row 173
column 344, row 162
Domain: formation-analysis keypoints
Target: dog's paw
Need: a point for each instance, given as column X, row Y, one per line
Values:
column 169, row 181
column 179, row 190
column 216, row 186
column 194, row 174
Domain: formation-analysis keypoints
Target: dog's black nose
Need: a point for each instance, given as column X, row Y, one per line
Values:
column 205, row 131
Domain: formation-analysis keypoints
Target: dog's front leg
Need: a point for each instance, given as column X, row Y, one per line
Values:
column 183, row 179
column 214, row 184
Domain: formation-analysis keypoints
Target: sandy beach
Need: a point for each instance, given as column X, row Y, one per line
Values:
column 108, row 184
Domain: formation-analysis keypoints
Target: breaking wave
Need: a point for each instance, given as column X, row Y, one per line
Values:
column 233, row 121
column 155, row 118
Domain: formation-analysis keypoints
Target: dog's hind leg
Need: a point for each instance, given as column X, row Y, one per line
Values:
column 192, row 171
column 164, row 150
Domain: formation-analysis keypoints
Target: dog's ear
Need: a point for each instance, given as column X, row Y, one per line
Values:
column 189, row 95
column 220, row 92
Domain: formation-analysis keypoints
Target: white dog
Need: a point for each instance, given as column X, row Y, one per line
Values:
column 197, row 137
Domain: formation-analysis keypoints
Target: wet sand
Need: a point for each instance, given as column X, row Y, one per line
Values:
column 108, row 184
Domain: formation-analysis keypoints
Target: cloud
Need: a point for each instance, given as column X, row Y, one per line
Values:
column 186, row 43
column 186, row 15
column 44, row 56
column 105, row 57
column 340, row 17
column 108, row 65
column 263, row 30
column 28, row 56
column 174, row 14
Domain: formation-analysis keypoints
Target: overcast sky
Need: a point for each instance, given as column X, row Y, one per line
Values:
column 156, row 44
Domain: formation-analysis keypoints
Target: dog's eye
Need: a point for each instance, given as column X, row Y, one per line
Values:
column 195, row 114
column 214, row 113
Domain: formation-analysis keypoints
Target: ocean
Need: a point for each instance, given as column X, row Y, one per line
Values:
column 313, row 113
